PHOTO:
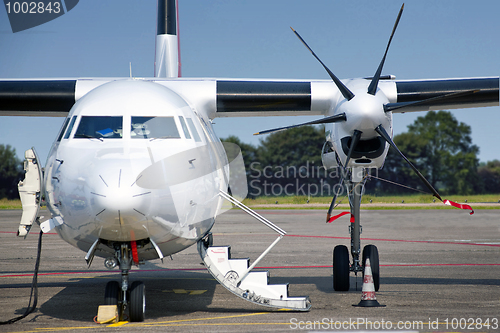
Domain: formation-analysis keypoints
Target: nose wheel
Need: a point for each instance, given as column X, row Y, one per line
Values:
column 136, row 304
column 137, row 307
column 112, row 293
column 131, row 298
column 371, row 252
column 342, row 268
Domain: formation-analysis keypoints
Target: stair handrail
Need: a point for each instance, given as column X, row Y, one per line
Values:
column 261, row 219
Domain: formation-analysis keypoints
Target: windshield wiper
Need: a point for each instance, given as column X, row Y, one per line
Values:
column 85, row 136
column 164, row 137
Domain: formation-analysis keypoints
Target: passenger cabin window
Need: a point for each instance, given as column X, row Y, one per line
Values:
column 100, row 127
column 154, row 128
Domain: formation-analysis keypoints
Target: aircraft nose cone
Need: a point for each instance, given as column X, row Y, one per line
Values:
column 117, row 203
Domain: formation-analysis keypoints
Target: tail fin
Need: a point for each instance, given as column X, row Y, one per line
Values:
column 167, row 54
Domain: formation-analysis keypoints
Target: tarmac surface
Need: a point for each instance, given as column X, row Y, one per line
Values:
column 440, row 271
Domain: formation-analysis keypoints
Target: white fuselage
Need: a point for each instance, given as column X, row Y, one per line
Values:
column 134, row 162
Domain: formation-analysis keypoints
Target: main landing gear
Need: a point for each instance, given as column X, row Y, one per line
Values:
column 341, row 265
column 131, row 297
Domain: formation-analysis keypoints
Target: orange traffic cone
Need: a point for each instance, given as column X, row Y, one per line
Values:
column 368, row 298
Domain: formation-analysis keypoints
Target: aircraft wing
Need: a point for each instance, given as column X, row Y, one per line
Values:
column 249, row 97
column 445, row 94
column 43, row 97
column 264, row 98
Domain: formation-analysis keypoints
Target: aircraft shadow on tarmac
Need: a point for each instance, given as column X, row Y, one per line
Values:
column 439, row 281
column 174, row 292
column 168, row 293
column 325, row 283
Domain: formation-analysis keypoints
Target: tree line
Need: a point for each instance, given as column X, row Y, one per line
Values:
column 289, row 162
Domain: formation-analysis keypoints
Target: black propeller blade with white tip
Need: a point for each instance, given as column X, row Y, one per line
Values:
column 372, row 89
column 329, row 218
column 332, row 119
column 354, row 142
column 383, row 133
column 399, row 107
column 343, row 89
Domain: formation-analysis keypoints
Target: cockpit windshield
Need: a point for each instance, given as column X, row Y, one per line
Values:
column 154, row 128
column 100, row 127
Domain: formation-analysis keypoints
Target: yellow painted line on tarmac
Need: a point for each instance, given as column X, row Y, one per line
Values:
column 118, row 324
column 185, row 291
column 185, row 323
column 217, row 324
column 179, row 322
column 51, row 329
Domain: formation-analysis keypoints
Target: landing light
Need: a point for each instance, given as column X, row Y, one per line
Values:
column 110, row 262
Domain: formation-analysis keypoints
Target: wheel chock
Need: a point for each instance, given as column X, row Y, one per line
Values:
column 107, row 314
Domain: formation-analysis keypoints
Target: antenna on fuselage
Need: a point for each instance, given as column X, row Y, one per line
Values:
column 130, row 67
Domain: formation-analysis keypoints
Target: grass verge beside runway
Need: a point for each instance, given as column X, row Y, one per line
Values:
column 416, row 201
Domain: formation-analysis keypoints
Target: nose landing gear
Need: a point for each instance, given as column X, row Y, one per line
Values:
column 341, row 265
column 132, row 298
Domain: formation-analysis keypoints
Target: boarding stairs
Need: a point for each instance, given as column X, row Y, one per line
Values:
column 237, row 276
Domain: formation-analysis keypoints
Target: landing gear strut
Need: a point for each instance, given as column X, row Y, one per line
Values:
column 341, row 265
column 132, row 298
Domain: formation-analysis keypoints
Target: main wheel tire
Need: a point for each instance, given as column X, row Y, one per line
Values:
column 137, row 307
column 112, row 293
column 341, row 268
column 371, row 251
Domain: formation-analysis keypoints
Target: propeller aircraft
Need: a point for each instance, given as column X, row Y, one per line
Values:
column 120, row 175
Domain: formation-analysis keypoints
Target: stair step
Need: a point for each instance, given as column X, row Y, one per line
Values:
column 257, row 277
column 255, row 286
column 239, row 265
column 277, row 291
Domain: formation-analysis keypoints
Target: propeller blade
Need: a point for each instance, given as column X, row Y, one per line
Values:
column 343, row 89
column 332, row 204
column 326, row 120
column 372, row 89
column 383, row 133
column 354, row 142
column 397, row 106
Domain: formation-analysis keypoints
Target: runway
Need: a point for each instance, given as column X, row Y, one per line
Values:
column 440, row 271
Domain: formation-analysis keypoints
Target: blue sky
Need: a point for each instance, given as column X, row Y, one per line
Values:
column 252, row 39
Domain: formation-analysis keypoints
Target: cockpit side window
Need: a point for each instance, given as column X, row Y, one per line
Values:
column 196, row 136
column 184, row 128
column 100, row 127
column 154, row 128
column 63, row 129
column 71, row 124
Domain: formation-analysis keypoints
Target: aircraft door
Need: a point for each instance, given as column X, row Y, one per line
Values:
column 30, row 190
